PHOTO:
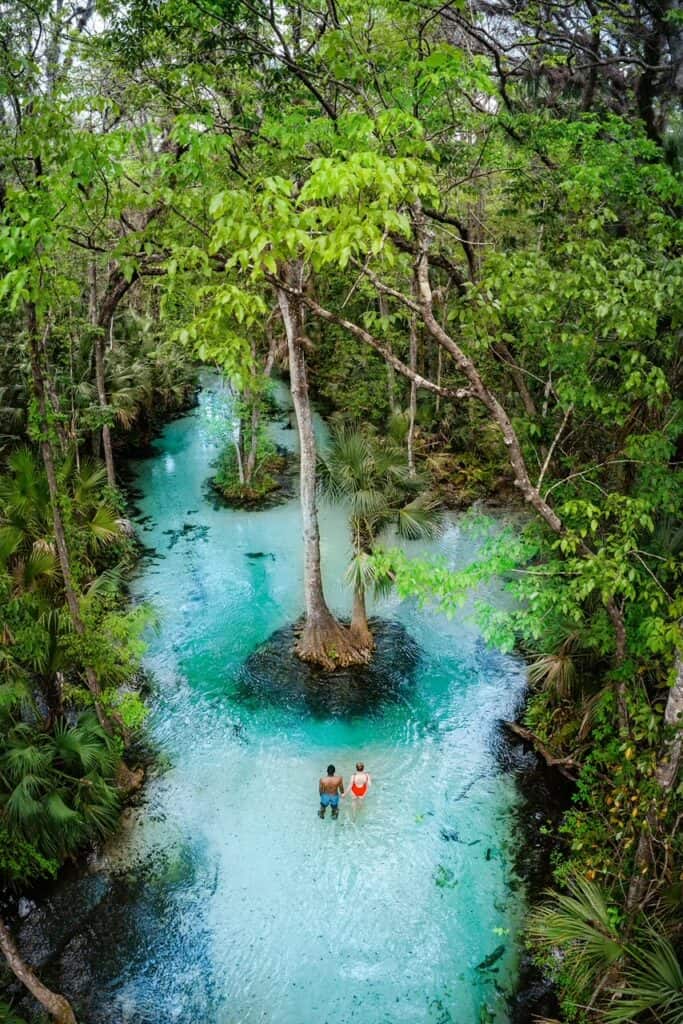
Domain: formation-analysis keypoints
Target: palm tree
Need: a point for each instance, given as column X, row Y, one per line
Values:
column 30, row 562
column 629, row 980
column 57, row 788
column 27, row 548
column 57, row 791
column 381, row 491
column 579, row 924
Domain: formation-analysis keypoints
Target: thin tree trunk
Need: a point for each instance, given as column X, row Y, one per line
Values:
column 391, row 372
column 47, row 454
column 324, row 641
column 99, row 343
column 502, row 351
column 56, row 1005
column 256, row 407
column 439, row 370
column 250, row 461
column 666, row 775
column 413, row 396
column 238, row 442
column 500, row 417
column 54, row 697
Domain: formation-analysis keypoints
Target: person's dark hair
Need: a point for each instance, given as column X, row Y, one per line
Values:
column 330, row 769
column 360, row 767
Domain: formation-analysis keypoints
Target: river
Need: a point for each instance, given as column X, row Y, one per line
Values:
column 226, row 900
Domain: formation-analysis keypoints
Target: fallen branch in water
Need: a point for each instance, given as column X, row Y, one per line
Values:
column 566, row 765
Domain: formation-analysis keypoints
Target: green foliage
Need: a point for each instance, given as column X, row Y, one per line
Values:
column 269, row 466
column 653, row 983
column 626, row 978
column 57, row 792
column 8, row 1016
column 184, row 157
column 371, row 476
column 20, row 861
column 580, row 923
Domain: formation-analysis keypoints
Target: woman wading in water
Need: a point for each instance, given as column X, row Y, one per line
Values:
column 360, row 782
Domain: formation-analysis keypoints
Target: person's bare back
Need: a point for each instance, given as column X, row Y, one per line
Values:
column 330, row 788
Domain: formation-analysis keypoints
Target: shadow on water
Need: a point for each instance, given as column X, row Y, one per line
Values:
column 274, row 675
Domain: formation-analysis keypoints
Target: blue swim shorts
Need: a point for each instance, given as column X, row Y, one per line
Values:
column 326, row 800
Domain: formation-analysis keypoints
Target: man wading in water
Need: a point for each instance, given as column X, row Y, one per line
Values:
column 330, row 788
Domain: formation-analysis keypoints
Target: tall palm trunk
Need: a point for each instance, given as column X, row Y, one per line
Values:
column 324, row 641
column 360, row 630
column 56, row 1005
column 100, row 382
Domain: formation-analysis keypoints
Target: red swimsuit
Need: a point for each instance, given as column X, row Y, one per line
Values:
column 359, row 790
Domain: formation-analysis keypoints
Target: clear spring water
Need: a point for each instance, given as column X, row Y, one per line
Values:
column 234, row 903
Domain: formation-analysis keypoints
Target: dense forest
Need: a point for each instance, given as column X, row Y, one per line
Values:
column 455, row 229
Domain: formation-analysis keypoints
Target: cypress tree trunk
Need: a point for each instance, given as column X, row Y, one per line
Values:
column 324, row 641
column 58, row 1006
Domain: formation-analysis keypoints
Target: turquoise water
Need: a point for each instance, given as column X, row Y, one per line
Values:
column 244, row 907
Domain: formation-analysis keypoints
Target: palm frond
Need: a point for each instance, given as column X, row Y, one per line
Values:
column 59, row 815
column 653, row 983
column 24, row 759
column 88, row 479
column 420, row 519
column 361, row 572
column 11, row 537
column 109, row 581
column 40, row 565
column 104, row 525
column 22, row 805
column 579, row 924
column 83, row 746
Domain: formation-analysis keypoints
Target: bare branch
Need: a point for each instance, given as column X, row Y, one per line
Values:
column 549, row 456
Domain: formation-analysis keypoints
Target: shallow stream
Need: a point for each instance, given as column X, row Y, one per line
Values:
column 226, row 900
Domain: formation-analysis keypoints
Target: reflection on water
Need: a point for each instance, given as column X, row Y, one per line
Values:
column 227, row 901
